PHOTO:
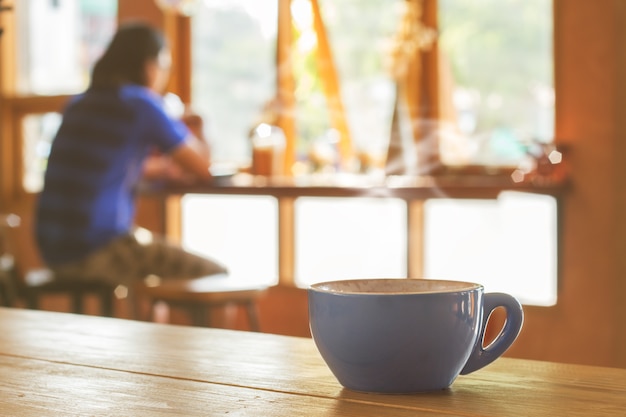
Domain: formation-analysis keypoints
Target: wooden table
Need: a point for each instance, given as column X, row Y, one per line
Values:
column 406, row 187
column 54, row 364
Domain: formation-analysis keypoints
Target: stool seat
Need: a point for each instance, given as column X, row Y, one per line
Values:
column 199, row 295
column 42, row 281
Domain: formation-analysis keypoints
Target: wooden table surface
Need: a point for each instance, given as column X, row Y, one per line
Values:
column 58, row 364
column 408, row 187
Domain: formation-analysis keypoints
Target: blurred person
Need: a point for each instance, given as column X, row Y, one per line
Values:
column 111, row 136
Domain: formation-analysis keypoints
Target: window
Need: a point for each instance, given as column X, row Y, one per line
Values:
column 496, row 77
column 38, row 132
column 239, row 231
column 340, row 238
column 479, row 119
column 234, row 71
column 359, row 33
column 57, row 42
column 83, row 27
column 508, row 244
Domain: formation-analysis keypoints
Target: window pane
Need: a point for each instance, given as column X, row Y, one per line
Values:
column 496, row 78
column 358, row 32
column 345, row 238
column 39, row 131
column 58, row 41
column 233, row 74
column 507, row 245
column 239, row 231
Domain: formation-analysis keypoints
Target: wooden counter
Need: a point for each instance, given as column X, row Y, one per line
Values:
column 354, row 185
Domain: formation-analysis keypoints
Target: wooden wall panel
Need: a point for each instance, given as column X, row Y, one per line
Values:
column 619, row 161
column 146, row 10
column 583, row 326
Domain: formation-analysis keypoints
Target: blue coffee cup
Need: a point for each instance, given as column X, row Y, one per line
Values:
column 406, row 335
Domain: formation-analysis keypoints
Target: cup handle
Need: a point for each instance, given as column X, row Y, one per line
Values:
column 483, row 356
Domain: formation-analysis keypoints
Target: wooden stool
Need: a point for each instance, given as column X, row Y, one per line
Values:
column 31, row 284
column 39, row 282
column 199, row 295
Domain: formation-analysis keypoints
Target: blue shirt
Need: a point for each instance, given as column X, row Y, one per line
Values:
column 94, row 165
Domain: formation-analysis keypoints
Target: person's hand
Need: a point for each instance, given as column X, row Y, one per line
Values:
column 195, row 124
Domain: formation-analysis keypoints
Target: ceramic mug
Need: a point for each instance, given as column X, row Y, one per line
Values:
column 406, row 335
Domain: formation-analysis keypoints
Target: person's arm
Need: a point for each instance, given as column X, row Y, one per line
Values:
column 187, row 162
column 191, row 159
column 194, row 156
column 198, row 141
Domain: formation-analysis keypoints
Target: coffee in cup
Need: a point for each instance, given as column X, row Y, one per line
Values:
column 406, row 335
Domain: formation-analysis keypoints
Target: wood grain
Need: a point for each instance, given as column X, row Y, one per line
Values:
column 70, row 350
column 40, row 388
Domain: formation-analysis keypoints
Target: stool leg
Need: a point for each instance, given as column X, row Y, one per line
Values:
column 199, row 315
column 4, row 296
column 32, row 300
column 77, row 302
column 153, row 303
column 136, row 302
column 106, row 303
column 253, row 317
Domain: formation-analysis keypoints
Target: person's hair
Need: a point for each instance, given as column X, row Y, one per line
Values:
column 132, row 46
